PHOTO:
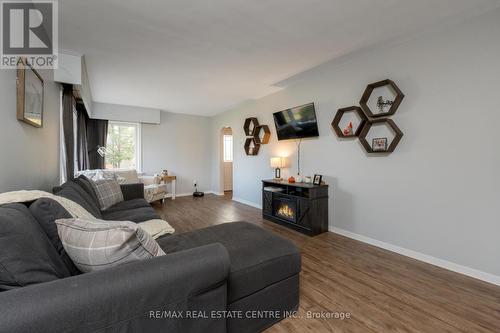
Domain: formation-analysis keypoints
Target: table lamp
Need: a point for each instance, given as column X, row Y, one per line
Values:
column 277, row 164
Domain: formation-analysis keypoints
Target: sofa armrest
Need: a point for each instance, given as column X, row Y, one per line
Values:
column 147, row 180
column 132, row 191
column 123, row 298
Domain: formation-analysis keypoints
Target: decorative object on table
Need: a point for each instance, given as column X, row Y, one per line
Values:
column 307, row 179
column 388, row 100
column 277, row 164
column 379, row 144
column 164, row 173
column 348, row 129
column 317, row 179
column 257, row 135
column 196, row 193
column 30, row 89
column 298, row 179
column 392, row 127
column 291, row 179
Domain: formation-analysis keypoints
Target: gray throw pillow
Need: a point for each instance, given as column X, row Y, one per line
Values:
column 108, row 192
column 96, row 244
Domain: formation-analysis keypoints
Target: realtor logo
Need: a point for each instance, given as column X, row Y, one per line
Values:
column 29, row 31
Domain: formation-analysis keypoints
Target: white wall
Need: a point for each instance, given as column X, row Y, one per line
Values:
column 125, row 113
column 29, row 156
column 181, row 145
column 439, row 192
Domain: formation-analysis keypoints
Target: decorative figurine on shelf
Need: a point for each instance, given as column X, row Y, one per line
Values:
column 348, row 129
column 298, row 179
column 291, row 179
column 308, row 180
column 381, row 104
column 164, row 173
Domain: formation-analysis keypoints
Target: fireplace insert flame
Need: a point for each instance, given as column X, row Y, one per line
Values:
column 285, row 208
column 286, row 211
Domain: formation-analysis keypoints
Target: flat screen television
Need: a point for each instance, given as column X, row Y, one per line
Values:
column 296, row 123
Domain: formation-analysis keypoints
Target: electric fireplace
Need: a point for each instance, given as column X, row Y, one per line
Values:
column 285, row 208
column 299, row 206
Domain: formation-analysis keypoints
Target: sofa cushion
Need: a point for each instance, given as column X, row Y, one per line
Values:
column 46, row 211
column 86, row 184
column 139, row 214
column 74, row 192
column 27, row 256
column 258, row 257
column 96, row 244
column 108, row 192
column 129, row 204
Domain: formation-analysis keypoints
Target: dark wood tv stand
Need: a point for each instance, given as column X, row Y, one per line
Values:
column 299, row 206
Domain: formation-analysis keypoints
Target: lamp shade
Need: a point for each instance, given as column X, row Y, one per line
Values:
column 276, row 162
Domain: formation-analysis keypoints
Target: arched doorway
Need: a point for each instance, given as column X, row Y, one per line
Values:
column 226, row 161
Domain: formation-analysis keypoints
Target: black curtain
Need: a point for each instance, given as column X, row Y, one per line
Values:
column 82, row 152
column 68, row 103
column 97, row 135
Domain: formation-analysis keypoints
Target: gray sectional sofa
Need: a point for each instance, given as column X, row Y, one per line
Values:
column 233, row 277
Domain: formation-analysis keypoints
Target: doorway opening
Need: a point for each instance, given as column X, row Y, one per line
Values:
column 227, row 161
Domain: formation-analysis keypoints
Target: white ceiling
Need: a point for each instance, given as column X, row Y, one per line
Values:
column 205, row 56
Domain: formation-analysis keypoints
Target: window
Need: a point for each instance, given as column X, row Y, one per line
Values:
column 123, row 146
column 228, row 148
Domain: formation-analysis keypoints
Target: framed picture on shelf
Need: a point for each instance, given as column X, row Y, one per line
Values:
column 317, row 179
column 379, row 144
column 29, row 95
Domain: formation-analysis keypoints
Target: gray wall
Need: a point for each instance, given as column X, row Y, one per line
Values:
column 438, row 194
column 29, row 156
column 181, row 145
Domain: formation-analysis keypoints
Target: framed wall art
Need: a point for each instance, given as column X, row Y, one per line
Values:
column 30, row 89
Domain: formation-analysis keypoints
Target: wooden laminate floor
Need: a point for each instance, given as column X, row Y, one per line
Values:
column 382, row 291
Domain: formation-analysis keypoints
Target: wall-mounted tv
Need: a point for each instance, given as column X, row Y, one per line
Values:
column 296, row 123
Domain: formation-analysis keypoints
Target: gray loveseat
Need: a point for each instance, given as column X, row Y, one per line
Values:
column 233, row 277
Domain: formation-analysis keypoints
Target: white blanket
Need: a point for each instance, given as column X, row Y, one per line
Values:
column 155, row 228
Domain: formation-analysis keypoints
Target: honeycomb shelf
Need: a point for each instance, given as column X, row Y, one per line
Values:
column 366, row 130
column 265, row 132
column 251, row 147
column 250, row 125
column 338, row 118
column 394, row 105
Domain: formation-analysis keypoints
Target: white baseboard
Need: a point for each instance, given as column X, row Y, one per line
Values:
column 215, row 192
column 248, row 203
column 177, row 195
column 169, row 195
column 480, row 275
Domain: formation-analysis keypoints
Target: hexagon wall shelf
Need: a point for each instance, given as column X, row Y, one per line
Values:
column 251, row 147
column 366, row 129
column 338, row 118
column 394, row 105
column 262, row 134
column 250, row 126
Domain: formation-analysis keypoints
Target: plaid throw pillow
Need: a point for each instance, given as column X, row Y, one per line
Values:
column 108, row 192
column 96, row 244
